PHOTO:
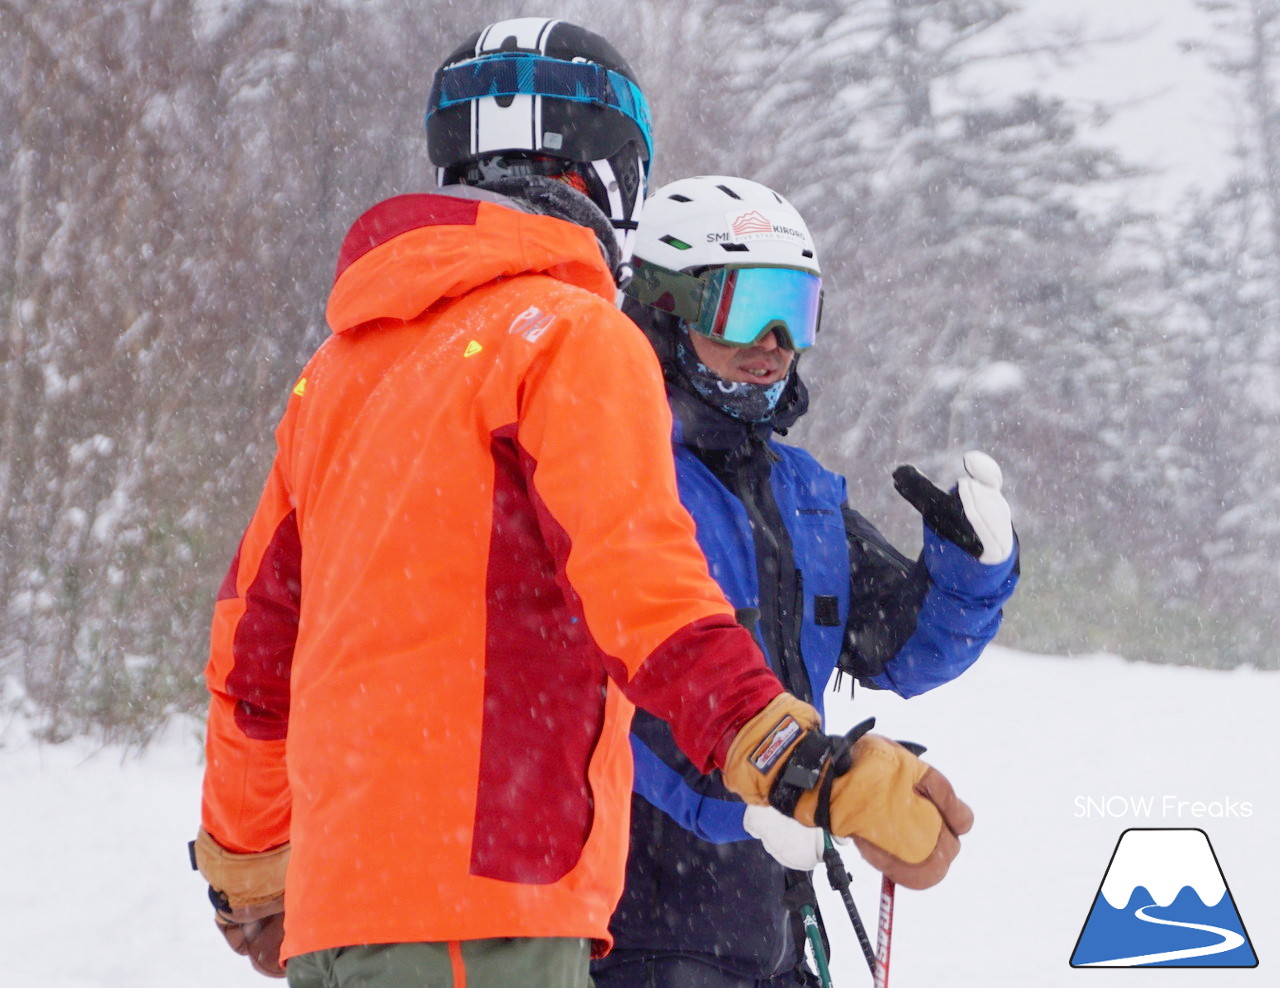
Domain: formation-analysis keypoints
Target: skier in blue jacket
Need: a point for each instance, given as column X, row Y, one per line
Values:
column 728, row 288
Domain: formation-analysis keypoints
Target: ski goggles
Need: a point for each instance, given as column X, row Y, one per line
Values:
column 736, row 306
column 527, row 74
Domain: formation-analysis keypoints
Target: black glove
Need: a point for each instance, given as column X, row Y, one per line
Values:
column 975, row 516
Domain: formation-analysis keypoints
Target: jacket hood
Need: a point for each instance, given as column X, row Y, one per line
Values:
column 409, row 252
column 552, row 197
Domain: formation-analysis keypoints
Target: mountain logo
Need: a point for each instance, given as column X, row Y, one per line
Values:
column 749, row 222
column 1163, row 902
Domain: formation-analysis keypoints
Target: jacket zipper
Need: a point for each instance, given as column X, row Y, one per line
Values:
column 772, row 543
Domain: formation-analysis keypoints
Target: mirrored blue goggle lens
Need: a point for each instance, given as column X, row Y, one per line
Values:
column 741, row 304
column 527, row 74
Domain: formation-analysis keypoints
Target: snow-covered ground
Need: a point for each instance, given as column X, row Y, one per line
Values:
column 1058, row 756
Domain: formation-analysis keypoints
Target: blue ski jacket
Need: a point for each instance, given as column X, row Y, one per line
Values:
column 824, row 591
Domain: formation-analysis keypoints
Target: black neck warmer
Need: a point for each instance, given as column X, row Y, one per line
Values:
column 552, row 197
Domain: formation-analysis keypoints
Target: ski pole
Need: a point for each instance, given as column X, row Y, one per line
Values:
column 838, row 876
column 801, row 899
column 884, row 929
column 815, row 941
column 884, row 934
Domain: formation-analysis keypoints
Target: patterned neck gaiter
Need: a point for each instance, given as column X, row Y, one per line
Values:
column 744, row 401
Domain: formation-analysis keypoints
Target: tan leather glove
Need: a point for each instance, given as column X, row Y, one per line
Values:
column 247, row 892
column 902, row 814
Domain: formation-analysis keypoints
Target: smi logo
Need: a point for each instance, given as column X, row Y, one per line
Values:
column 1163, row 902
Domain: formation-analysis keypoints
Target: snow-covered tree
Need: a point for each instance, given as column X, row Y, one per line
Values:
column 182, row 173
column 1225, row 268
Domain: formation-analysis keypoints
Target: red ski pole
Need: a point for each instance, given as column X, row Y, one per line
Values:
column 884, row 934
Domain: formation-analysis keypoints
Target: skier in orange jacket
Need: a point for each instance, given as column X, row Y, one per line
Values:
column 470, row 529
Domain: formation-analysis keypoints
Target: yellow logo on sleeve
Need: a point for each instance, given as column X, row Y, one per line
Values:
column 472, row 349
column 300, row 388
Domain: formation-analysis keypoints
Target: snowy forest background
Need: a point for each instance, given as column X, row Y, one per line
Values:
column 178, row 175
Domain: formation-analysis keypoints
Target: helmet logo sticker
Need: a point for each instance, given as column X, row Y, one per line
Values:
column 752, row 222
column 745, row 226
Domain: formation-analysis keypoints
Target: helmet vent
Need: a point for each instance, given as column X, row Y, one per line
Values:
column 722, row 221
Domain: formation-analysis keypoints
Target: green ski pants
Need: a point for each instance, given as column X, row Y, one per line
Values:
column 506, row 962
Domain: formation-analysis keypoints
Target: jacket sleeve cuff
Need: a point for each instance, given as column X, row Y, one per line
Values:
column 954, row 570
column 707, row 680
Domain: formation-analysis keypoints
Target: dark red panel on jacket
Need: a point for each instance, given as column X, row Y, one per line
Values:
column 398, row 215
column 265, row 636
column 228, row 588
column 544, row 691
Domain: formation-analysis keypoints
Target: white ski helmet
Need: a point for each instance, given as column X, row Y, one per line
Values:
column 717, row 220
column 697, row 236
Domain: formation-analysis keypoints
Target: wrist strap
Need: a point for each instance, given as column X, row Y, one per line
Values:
column 817, row 761
column 801, row 772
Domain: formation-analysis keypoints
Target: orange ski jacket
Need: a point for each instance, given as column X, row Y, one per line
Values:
column 468, row 562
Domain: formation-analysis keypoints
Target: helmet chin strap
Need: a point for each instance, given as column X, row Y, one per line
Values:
column 553, row 197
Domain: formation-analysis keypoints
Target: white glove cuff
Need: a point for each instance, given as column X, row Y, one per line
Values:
column 792, row 844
